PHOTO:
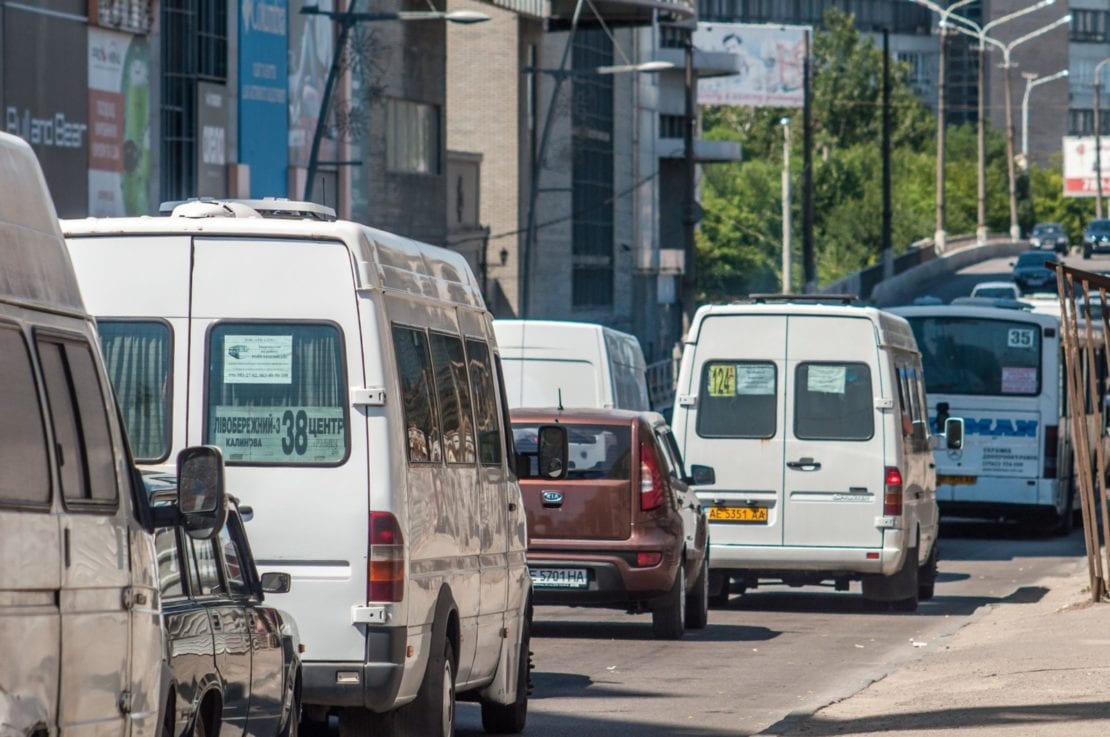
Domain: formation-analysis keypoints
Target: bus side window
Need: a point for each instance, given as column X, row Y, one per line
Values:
column 904, row 405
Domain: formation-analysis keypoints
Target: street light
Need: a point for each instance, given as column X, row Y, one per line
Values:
column 1008, row 65
column 939, row 236
column 347, row 20
column 1098, row 134
column 980, row 32
column 1031, row 81
column 786, row 225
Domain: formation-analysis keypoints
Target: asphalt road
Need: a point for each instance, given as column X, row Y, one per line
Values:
column 773, row 652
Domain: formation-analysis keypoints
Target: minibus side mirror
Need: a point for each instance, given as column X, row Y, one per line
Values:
column 702, row 475
column 954, row 433
column 201, row 501
column 552, row 452
column 275, row 582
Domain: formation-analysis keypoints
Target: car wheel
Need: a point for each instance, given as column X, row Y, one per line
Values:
column 697, row 601
column 1086, row 252
column 910, row 570
column 927, row 576
column 668, row 619
column 720, row 586
column 432, row 713
column 510, row 718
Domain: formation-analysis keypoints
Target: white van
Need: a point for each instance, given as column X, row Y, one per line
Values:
column 351, row 378
column 814, row 418
column 80, row 627
column 577, row 364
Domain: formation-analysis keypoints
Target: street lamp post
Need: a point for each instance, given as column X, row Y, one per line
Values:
column 1031, row 81
column 939, row 236
column 1098, row 135
column 347, row 20
column 1008, row 65
column 786, row 224
column 971, row 28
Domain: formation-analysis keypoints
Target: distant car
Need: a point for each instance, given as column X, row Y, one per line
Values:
column 1096, row 238
column 1032, row 273
column 234, row 662
column 619, row 528
column 996, row 290
column 1049, row 236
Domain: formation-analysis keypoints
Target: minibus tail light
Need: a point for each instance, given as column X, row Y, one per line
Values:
column 1051, row 438
column 892, row 492
column 386, row 573
column 651, row 481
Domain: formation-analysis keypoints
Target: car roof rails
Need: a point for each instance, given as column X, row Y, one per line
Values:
column 843, row 299
column 267, row 207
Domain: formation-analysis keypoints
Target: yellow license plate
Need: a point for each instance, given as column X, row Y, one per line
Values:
column 755, row 515
column 956, row 480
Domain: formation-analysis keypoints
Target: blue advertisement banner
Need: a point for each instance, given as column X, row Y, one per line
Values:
column 263, row 94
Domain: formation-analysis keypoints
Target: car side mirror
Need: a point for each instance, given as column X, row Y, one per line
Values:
column 954, row 433
column 276, row 582
column 200, row 491
column 702, row 475
column 552, row 452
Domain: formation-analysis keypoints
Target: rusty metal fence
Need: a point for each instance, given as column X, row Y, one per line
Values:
column 1084, row 325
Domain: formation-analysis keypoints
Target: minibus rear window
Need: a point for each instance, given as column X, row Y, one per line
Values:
column 137, row 355
column 737, row 399
column 833, row 401
column 277, row 394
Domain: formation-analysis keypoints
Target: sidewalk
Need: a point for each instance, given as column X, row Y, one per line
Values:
column 1031, row 670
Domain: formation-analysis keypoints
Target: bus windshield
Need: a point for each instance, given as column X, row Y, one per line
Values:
column 979, row 356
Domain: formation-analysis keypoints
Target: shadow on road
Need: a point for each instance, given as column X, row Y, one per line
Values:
column 831, row 603
column 945, row 719
column 609, row 630
column 468, row 723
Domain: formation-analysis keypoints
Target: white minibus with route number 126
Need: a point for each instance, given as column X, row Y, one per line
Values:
column 1001, row 371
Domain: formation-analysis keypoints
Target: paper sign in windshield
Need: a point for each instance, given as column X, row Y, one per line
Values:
column 755, row 379
column 722, row 380
column 258, row 359
column 279, row 434
column 1019, row 380
column 826, row 379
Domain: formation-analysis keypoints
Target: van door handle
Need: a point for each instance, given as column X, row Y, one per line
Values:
column 216, row 623
column 804, row 464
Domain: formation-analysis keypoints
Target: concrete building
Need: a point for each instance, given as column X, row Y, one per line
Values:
column 1089, row 43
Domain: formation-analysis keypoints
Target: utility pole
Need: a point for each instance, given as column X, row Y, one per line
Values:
column 786, row 224
column 690, row 219
column 981, row 214
column 1015, row 230
column 939, row 236
column 1098, row 137
column 809, row 257
column 888, row 247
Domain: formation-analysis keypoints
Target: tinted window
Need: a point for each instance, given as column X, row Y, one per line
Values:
column 737, row 399
column 414, row 371
column 206, row 559
column 833, row 401
column 80, row 421
column 484, row 391
column 277, row 394
column 453, row 390
column 169, row 563
column 1035, row 259
column 234, row 563
column 968, row 355
column 137, row 356
column 594, row 451
column 24, row 462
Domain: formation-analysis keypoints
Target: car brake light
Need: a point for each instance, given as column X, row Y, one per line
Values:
column 892, row 493
column 645, row 560
column 1051, row 435
column 387, row 559
column 651, row 481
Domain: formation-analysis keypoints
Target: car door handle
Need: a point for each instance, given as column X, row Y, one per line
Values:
column 216, row 623
column 804, row 464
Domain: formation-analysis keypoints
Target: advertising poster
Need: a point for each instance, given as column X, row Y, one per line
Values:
column 212, row 125
column 119, row 124
column 263, row 94
column 47, row 103
column 1080, row 166
column 311, row 46
column 770, row 59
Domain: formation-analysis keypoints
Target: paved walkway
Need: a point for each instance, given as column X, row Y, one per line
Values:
column 1033, row 669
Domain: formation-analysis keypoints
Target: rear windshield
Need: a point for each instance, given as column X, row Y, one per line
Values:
column 1034, row 259
column 1048, row 230
column 737, row 399
column 972, row 355
column 137, row 355
column 833, row 401
column 595, row 451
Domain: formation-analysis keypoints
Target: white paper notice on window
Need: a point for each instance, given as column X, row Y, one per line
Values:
column 826, row 379
column 1019, row 380
column 755, row 379
column 258, row 359
column 1019, row 338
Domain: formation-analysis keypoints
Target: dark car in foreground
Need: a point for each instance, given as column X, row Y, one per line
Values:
column 1049, row 237
column 234, row 662
column 1096, row 238
column 1032, row 272
column 618, row 526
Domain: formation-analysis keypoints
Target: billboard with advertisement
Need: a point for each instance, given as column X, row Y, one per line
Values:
column 771, row 64
column 45, row 90
column 1080, row 178
column 119, row 124
column 212, row 125
column 263, row 94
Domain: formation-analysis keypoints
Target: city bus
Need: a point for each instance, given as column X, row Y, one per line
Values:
column 1001, row 370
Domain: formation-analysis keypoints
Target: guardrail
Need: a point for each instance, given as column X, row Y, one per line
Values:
column 863, row 282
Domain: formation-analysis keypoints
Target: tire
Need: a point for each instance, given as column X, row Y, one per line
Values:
column 432, row 714
column 927, row 576
column 668, row 619
column 697, row 601
column 910, row 569
column 878, row 591
column 511, row 718
column 719, row 599
column 1086, row 253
